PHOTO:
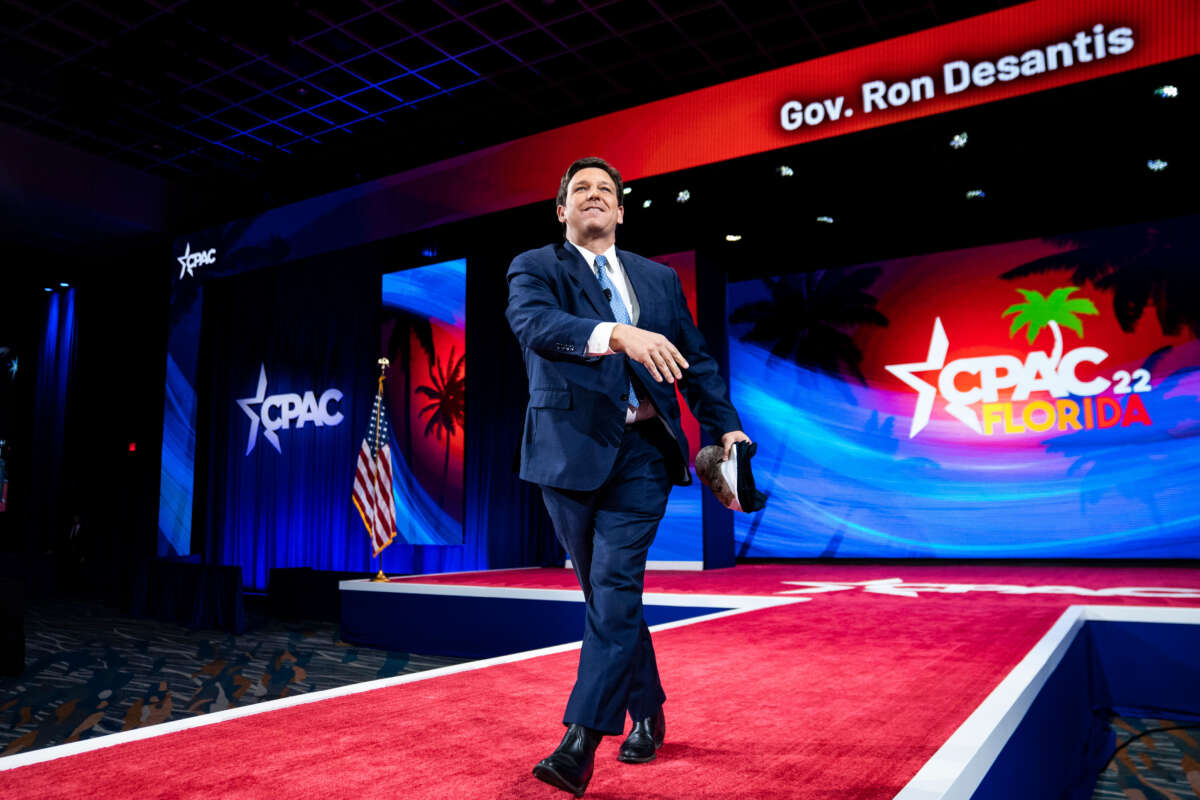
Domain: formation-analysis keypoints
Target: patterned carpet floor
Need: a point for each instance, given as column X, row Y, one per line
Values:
column 1163, row 764
column 90, row 671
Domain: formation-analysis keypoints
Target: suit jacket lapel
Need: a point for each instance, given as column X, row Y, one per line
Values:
column 639, row 283
column 585, row 280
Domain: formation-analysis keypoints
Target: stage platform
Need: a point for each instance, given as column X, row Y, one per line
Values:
column 439, row 616
column 783, row 681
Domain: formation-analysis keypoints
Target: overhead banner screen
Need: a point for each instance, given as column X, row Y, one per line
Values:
column 1037, row 398
column 1027, row 48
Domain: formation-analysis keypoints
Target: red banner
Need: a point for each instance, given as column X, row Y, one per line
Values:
column 1028, row 48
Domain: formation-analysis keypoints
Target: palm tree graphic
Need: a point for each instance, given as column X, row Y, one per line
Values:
column 809, row 319
column 408, row 325
column 1058, row 308
column 447, row 409
column 1146, row 265
column 811, row 316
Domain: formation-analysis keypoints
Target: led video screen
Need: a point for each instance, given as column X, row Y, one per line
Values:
column 1034, row 398
column 424, row 338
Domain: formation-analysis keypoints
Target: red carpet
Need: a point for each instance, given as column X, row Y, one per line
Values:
column 844, row 696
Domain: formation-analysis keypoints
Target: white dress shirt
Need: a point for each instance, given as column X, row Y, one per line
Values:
column 600, row 341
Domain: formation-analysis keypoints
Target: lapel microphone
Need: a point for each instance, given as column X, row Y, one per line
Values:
column 608, row 295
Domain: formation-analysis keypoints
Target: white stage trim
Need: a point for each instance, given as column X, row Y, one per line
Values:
column 678, row 599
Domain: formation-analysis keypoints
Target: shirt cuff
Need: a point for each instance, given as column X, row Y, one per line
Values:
column 598, row 344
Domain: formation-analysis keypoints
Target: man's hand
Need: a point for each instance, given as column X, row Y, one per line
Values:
column 652, row 350
column 728, row 439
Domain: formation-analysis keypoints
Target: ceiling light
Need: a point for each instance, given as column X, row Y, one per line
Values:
column 826, row 220
column 1156, row 165
column 646, row 203
column 975, row 193
column 64, row 284
column 48, row 289
column 627, row 190
column 683, row 196
column 785, row 171
column 733, row 237
column 959, row 140
column 1167, row 91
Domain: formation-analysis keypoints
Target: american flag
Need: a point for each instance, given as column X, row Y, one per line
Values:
column 373, row 495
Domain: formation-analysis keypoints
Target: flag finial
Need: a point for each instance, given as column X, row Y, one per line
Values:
column 383, row 365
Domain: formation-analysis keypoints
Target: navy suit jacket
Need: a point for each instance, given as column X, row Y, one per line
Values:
column 576, row 413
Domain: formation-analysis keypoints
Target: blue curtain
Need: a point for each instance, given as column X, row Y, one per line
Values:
column 315, row 325
column 56, row 356
column 307, row 330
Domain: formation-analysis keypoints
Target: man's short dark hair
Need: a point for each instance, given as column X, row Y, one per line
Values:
column 585, row 163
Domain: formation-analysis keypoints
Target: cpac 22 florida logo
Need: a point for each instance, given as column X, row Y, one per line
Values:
column 278, row 411
column 1075, row 403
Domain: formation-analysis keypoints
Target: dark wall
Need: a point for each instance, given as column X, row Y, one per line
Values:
column 116, row 402
column 75, row 460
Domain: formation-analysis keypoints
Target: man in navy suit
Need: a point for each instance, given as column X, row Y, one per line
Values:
column 606, row 334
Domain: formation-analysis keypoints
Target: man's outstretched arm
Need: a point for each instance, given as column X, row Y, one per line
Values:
column 536, row 316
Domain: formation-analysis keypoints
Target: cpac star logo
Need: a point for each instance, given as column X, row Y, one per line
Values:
column 897, row 587
column 926, row 392
column 189, row 260
column 291, row 407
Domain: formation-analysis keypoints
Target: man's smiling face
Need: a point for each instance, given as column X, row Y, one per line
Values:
column 592, row 210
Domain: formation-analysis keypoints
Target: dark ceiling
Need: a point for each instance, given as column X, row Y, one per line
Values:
column 284, row 99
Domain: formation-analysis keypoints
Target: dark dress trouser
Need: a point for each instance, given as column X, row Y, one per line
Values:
column 607, row 533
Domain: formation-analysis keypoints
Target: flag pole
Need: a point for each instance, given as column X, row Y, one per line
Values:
column 383, row 365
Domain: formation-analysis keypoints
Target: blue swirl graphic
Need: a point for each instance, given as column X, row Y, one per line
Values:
column 419, row 518
column 436, row 291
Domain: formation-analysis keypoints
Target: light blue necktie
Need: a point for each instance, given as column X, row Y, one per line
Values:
column 618, row 308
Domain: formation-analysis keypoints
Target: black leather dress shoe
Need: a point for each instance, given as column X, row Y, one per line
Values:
column 644, row 740
column 570, row 766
